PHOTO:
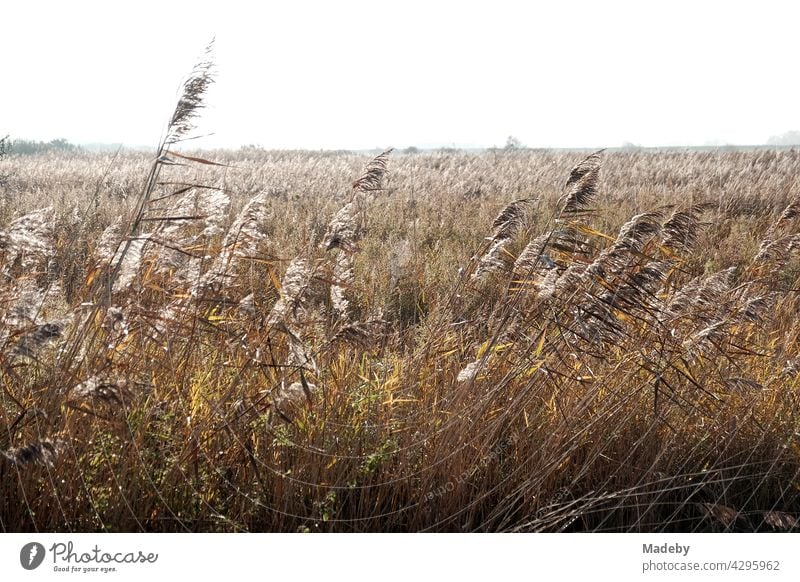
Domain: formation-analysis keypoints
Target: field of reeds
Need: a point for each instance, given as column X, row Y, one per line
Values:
column 511, row 340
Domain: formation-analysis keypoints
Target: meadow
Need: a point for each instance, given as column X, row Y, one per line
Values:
column 509, row 340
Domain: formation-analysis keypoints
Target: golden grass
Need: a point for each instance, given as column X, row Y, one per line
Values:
column 469, row 342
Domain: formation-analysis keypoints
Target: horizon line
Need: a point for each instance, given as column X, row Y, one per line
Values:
column 109, row 146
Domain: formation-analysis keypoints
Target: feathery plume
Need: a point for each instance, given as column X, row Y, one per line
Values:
column 581, row 186
column 247, row 305
column 701, row 295
column 788, row 215
column 177, row 241
column 780, row 520
column 710, row 336
column 569, row 241
column 342, row 280
column 26, row 305
column 532, row 258
column 373, row 174
column 191, row 100
column 470, row 371
column 681, row 230
column 638, row 289
column 634, row 233
column 29, row 240
column 547, row 285
column 627, row 248
column 293, row 285
column 289, row 400
column 107, row 245
column 343, row 231
column 777, row 252
column 128, row 264
column 240, row 242
column 214, row 204
column 508, row 222
column 496, row 259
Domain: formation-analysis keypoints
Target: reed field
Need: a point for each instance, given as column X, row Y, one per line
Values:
column 509, row 340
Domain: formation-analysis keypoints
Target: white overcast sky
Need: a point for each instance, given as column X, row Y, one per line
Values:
column 347, row 74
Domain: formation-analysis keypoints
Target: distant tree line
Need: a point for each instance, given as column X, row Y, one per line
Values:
column 24, row 147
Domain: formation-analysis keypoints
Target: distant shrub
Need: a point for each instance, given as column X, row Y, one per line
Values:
column 631, row 147
column 787, row 139
column 512, row 143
